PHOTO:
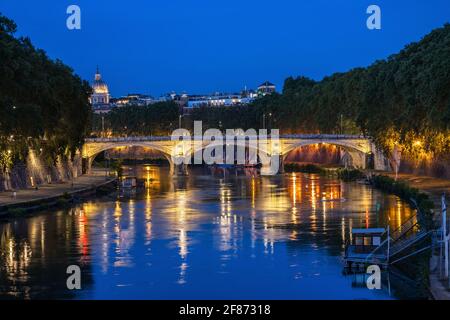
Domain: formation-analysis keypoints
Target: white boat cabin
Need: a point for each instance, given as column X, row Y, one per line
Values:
column 366, row 240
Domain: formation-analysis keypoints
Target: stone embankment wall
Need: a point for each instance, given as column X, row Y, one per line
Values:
column 439, row 168
column 35, row 172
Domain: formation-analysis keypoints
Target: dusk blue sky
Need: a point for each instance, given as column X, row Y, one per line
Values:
column 202, row 46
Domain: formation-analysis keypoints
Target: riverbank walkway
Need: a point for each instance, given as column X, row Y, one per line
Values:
column 434, row 187
column 48, row 191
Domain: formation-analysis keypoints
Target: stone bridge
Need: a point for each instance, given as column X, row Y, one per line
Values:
column 358, row 151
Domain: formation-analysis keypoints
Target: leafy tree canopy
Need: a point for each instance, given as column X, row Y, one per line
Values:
column 42, row 102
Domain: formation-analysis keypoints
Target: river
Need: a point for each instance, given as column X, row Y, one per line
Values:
column 202, row 237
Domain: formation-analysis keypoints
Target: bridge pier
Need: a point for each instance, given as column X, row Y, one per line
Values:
column 381, row 163
column 270, row 169
column 359, row 159
column 353, row 159
column 86, row 165
column 395, row 159
column 281, row 168
column 178, row 166
column 178, row 170
column 372, row 160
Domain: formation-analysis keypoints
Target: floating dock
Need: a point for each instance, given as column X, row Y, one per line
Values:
column 382, row 247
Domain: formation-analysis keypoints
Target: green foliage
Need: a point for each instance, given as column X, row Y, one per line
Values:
column 305, row 168
column 156, row 119
column 16, row 212
column 116, row 165
column 402, row 100
column 408, row 95
column 350, row 174
column 42, row 102
column 243, row 117
column 66, row 196
column 7, row 25
column 5, row 159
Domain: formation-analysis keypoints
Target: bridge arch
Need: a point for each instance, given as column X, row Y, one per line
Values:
column 94, row 147
column 92, row 150
column 357, row 147
column 190, row 152
column 356, row 150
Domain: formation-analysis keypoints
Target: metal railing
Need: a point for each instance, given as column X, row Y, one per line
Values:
column 285, row 136
column 401, row 245
column 407, row 226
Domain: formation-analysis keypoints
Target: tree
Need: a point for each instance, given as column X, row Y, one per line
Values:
column 43, row 104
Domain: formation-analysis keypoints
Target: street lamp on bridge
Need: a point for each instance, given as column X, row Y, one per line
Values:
column 264, row 119
column 179, row 120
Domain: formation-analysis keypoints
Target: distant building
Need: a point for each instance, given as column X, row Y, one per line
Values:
column 180, row 99
column 249, row 93
column 134, row 99
column 100, row 98
column 217, row 100
column 102, row 102
column 245, row 97
column 266, row 88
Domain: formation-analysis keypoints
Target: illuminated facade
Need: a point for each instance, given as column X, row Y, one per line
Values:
column 218, row 100
column 266, row 88
column 134, row 99
column 100, row 95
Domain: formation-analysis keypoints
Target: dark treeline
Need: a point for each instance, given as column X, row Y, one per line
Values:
column 403, row 100
column 156, row 119
column 43, row 104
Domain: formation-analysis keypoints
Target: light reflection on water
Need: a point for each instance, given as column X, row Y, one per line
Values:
column 199, row 237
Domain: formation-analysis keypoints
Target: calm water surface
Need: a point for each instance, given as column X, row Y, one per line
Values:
column 202, row 237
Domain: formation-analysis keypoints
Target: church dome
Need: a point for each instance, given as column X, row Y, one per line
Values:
column 100, row 91
column 98, row 86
